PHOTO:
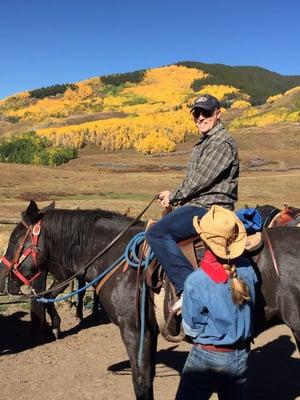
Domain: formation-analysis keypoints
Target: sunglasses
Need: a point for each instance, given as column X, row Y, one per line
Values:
column 200, row 111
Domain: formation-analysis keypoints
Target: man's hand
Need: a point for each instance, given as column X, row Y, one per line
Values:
column 164, row 198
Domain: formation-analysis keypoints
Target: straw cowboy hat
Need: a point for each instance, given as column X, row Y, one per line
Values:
column 222, row 231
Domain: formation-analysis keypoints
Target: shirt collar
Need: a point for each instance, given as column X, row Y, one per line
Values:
column 213, row 131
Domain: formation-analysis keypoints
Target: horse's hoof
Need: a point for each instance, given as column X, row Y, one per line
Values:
column 56, row 333
column 79, row 315
column 69, row 304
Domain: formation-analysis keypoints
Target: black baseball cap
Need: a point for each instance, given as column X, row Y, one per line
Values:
column 206, row 102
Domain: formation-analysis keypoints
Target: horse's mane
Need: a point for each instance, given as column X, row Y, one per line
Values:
column 70, row 233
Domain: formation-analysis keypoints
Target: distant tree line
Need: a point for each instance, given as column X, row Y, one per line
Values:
column 121, row 79
column 51, row 90
column 29, row 148
column 257, row 82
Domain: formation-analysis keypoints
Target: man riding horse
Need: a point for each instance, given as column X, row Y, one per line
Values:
column 211, row 178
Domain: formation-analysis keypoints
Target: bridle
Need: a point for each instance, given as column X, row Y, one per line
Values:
column 33, row 232
column 33, row 250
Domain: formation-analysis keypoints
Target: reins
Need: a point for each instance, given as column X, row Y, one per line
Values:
column 101, row 253
column 271, row 252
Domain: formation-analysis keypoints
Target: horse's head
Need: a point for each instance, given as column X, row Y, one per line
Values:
column 22, row 257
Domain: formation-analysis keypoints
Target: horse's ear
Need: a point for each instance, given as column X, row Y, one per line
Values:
column 48, row 207
column 30, row 215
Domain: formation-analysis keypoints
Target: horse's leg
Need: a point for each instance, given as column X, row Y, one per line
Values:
column 142, row 375
column 37, row 309
column 118, row 298
column 70, row 289
column 297, row 339
column 79, row 307
column 80, row 296
column 51, row 310
column 289, row 305
column 96, row 303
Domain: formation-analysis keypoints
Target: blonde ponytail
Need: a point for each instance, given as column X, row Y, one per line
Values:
column 239, row 289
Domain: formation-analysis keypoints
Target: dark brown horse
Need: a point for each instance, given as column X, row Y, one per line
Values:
column 69, row 239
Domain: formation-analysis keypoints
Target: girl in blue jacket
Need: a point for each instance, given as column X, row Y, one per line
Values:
column 217, row 311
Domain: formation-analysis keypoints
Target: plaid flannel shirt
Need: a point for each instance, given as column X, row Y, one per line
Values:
column 212, row 172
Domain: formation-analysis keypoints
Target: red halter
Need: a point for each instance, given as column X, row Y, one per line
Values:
column 21, row 254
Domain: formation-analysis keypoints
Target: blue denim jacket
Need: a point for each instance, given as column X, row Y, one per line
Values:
column 208, row 312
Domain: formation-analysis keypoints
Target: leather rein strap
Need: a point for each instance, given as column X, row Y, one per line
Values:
column 271, row 251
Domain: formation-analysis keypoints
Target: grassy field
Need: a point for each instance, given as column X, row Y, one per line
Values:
column 126, row 181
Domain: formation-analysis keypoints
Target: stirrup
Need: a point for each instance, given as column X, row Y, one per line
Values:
column 176, row 339
column 176, row 307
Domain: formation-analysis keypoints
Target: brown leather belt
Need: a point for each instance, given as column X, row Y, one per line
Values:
column 221, row 349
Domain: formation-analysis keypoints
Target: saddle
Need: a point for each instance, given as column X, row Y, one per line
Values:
column 286, row 216
column 193, row 249
column 163, row 292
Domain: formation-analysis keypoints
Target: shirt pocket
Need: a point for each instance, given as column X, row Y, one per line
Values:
column 200, row 323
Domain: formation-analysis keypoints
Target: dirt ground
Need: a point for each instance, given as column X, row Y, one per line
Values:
column 90, row 362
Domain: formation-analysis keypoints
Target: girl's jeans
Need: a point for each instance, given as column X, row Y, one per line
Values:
column 207, row 372
column 163, row 237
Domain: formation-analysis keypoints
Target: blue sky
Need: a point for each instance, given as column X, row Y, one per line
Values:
column 47, row 42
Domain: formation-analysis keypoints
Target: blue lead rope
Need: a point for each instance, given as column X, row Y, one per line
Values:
column 131, row 253
column 133, row 259
column 93, row 282
column 131, row 256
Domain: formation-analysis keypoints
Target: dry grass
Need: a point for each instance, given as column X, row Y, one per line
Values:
column 126, row 181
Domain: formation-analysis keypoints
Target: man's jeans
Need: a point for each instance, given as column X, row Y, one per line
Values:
column 164, row 236
column 207, row 372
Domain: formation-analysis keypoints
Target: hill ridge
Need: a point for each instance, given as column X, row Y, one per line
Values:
column 147, row 109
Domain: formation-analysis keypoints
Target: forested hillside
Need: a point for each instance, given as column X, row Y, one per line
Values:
column 258, row 82
column 147, row 110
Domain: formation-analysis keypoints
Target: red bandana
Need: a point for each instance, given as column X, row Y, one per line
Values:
column 213, row 268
